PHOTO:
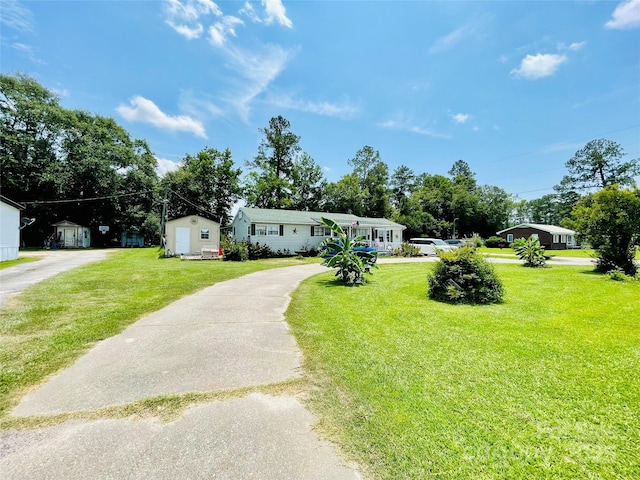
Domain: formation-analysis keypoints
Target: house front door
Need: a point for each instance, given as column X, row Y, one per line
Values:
column 182, row 240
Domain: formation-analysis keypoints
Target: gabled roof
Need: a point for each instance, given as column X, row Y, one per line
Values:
column 65, row 223
column 297, row 217
column 194, row 215
column 10, row 202
column 544, row 228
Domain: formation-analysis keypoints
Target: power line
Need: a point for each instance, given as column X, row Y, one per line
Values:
column 78, row 200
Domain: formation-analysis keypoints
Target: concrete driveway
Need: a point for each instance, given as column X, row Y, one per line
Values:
column 51, row 262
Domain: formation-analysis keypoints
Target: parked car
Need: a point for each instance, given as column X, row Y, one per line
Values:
column 460, row 242
column 327, row 253
column 430, row 246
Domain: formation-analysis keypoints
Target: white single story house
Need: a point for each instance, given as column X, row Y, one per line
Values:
column 9, row 228
column 550, row 236
column 190, row 235
column 300, row 231
column 67, row 234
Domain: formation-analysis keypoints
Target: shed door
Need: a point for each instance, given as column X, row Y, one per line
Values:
column 182, row 240
column 69, row 237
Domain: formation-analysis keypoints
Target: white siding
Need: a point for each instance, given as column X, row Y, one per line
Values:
column 9, row 232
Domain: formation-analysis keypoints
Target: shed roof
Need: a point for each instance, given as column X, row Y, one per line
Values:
column 542, row 227
column 298, row 217
column 190, row 216
column 10, row 202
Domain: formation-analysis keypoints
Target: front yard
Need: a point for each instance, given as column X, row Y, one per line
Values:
column 545, row 385
column 55, row 321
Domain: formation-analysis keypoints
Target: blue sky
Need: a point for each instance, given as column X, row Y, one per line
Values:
column 512, row 88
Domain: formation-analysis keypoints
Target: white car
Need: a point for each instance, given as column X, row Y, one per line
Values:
column 429, row 246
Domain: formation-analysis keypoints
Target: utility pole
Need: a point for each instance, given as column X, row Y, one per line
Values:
column 165, row 201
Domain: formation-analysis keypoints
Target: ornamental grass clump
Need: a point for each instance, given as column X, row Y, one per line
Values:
column 464, row 276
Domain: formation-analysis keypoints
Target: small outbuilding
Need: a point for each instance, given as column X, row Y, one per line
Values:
column 191, row 235
column 550, row 236
column 67, row 234
column 9, row 228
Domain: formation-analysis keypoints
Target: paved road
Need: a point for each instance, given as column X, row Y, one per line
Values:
column 51, row 262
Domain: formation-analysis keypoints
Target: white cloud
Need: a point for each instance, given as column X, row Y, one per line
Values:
column 184, row 16
column 142, row 110
column 219, row 31
column 577, row 46
column 16, row 16
column 408, row 125
column 165, row 166
column 626, row 15
column 346, row 110
column 276, row 12
column 258, row 71
column 460, row 117
column 199, row 106
column 451, row 39
column 249, row 11
column 28, row 51
column 537, row 66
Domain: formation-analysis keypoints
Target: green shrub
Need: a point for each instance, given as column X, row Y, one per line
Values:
column 475, row 239
column 407, row 250
column 530, row 252
column 496, row 242
column 236, row 252
column 464, row 276
column 257, row 251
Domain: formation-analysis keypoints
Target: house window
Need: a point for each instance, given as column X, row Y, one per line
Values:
column 563, row 238
column 556, row 238
column 534, row 235
column 249, row 230
column 321, row 231
column 509, row 237
column 273, row 230
column 204, row 234
column 261, row 229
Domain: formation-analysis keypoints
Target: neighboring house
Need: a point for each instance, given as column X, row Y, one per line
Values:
column 299, row 231
column 67, row 234
column 550, row 236
column 9, row 228
column 190, row 235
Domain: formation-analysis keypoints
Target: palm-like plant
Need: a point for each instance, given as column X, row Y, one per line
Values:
column 347, row 254
column 530, row 251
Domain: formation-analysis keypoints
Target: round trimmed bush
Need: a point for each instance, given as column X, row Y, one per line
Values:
column 464, row 276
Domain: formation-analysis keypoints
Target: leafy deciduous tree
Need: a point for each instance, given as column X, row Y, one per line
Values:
column 610, row 220
column 206, row 184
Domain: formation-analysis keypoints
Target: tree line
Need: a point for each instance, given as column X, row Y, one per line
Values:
column 76, row 165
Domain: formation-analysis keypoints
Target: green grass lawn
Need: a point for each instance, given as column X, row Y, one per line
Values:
column 544, row 385
column 19, row 260
column 52, row 323
column 573, row 253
